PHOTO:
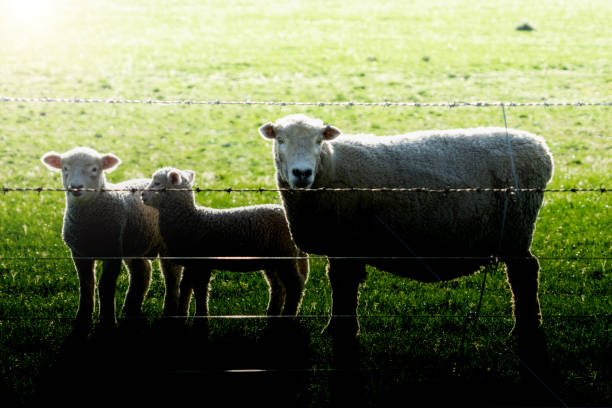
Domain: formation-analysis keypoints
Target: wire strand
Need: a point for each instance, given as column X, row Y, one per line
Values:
column 455, row 104
column 506, row 190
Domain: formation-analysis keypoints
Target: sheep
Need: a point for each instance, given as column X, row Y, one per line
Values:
column 432, row 231
column 258, row 231
column 100, row 223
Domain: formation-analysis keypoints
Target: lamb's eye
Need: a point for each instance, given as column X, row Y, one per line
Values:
column 281, row 141
column 65, row 168
column 319, row 141
column 94, row 169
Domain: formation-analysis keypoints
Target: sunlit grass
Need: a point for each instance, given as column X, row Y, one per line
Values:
column 425, row 51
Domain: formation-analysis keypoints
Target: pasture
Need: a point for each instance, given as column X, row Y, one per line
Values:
column 414, row 337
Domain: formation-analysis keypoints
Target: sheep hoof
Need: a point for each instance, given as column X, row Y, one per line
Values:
column 80, row 328
column 107, row 324
column 526, row 332
column 200, row 327
column 342, row 327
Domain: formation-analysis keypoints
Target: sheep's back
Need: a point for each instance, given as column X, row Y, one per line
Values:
column 424, row 224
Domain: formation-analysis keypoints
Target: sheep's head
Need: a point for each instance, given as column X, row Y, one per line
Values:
column 82, row 169
column 168, row 181
column 297, row 147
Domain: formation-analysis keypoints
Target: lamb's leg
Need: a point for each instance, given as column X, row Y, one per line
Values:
column 201, row 280
column 523, row 276
column 345, row 278
column 185, row 292
column 172, row 277
column 140, row 280
column 294, row 283
column 87, row 286
column 277, row 292
column 107, row 288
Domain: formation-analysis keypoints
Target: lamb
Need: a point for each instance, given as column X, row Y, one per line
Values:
column 110, row 225
column 256, row 231
column 431, row 231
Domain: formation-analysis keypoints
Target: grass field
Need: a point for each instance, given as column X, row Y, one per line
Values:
column 421, row 51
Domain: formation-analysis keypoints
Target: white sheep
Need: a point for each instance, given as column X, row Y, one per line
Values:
column 255, row 232
column 110, row 225
column 433, row 230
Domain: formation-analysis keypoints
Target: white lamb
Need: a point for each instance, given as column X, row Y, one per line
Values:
column 110, row 225
column 434, row 230
column 256, row 231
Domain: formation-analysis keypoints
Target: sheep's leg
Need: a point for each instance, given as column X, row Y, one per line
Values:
column 172, row 277
column 107, row 288
column 294, row 283
column 277, row 292
column 140, row 280
column 345, row 278
column 201, row 280
column 523, row 276
column 185, row 292
column 87, row 286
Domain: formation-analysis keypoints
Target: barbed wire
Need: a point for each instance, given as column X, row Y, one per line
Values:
column 319, row 316
column 507, row 190
column 492, row 258
column 454, row 104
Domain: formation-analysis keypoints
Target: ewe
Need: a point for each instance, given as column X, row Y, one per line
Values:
column 100, row 223
column 432, row 229
column 259, row 231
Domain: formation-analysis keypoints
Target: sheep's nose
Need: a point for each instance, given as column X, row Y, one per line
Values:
column 302, row 174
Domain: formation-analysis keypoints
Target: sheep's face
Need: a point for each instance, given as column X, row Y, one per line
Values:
column 82, row 170
column 297, row 147
column 167, row 181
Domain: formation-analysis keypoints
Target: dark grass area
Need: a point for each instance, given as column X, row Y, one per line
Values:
column 283, row 362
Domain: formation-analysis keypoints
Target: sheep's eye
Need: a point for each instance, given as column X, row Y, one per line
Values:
column 65, row 168
column 94, row 169
column 281, row 141
column 319, row 141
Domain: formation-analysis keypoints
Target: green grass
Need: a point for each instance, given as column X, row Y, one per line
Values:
column 435, row 51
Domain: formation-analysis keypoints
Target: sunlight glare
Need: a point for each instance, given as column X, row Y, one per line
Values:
column 27, row 13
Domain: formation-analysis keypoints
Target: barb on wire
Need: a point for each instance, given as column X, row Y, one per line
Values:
column 456, row 104
column 507, row 190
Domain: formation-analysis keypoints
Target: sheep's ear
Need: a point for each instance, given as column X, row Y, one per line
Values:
column 174, row 177
column 331, row 132
column 110, row 162
column 267, row 131
column 52, row 160
column 189, row 175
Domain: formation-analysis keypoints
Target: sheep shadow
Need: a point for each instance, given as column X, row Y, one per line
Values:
column 172, row 363
column 272, row 363
column 421, row 378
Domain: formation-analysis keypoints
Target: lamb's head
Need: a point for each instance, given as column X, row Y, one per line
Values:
column 82, row 170
column 297, row 147
column 169, row 185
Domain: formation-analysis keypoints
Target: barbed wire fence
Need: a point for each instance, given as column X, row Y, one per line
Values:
column 509, row 191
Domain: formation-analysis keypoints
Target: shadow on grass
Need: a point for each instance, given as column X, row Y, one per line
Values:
column 273, row 364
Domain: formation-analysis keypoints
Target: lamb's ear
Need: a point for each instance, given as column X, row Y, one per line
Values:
column 331, row 132
column 267, row 131
column 52, row 160
column 189, row 176
column 110, row 162
column 174, row 177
